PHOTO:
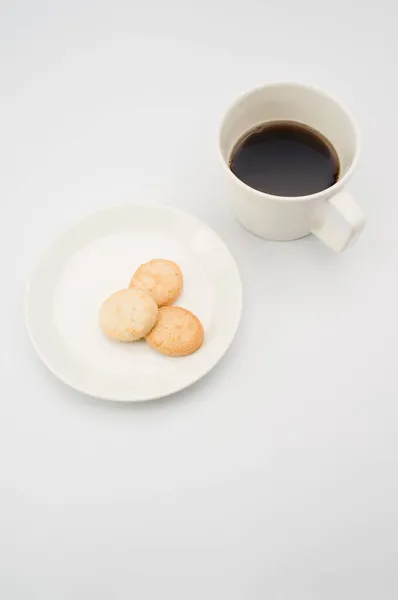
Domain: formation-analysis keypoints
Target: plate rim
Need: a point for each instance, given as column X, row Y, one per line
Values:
column 147, row 398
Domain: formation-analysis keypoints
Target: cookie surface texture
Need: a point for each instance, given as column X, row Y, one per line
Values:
column 177, row 332
column 128, row 315
column 162, row 279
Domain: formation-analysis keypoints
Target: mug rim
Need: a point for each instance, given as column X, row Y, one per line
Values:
column 333, row 189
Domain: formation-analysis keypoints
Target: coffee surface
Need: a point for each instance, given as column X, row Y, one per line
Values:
column 285, row 158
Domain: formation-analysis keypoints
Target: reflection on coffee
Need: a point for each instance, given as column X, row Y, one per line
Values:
column 285, row 158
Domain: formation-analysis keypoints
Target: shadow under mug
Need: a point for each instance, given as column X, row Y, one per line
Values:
column 331, row 215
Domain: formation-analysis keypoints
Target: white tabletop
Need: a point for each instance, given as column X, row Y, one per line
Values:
column 276, row 476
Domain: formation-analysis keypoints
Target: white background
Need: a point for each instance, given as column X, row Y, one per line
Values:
column 276, row 476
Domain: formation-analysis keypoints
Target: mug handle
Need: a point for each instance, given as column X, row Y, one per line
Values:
column 339, row 222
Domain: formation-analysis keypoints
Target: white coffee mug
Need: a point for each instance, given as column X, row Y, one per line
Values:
column 332, row 215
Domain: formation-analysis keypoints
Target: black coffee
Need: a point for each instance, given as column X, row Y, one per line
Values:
column 285, row 158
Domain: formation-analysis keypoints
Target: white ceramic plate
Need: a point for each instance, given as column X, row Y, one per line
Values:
column 96, row 257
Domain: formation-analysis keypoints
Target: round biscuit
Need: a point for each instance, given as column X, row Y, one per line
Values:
column 128, row 315
column 162, row 279
column 177, row 332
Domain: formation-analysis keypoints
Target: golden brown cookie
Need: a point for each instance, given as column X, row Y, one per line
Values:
column 128, row 315
column 177, row 332
column 162, row 279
